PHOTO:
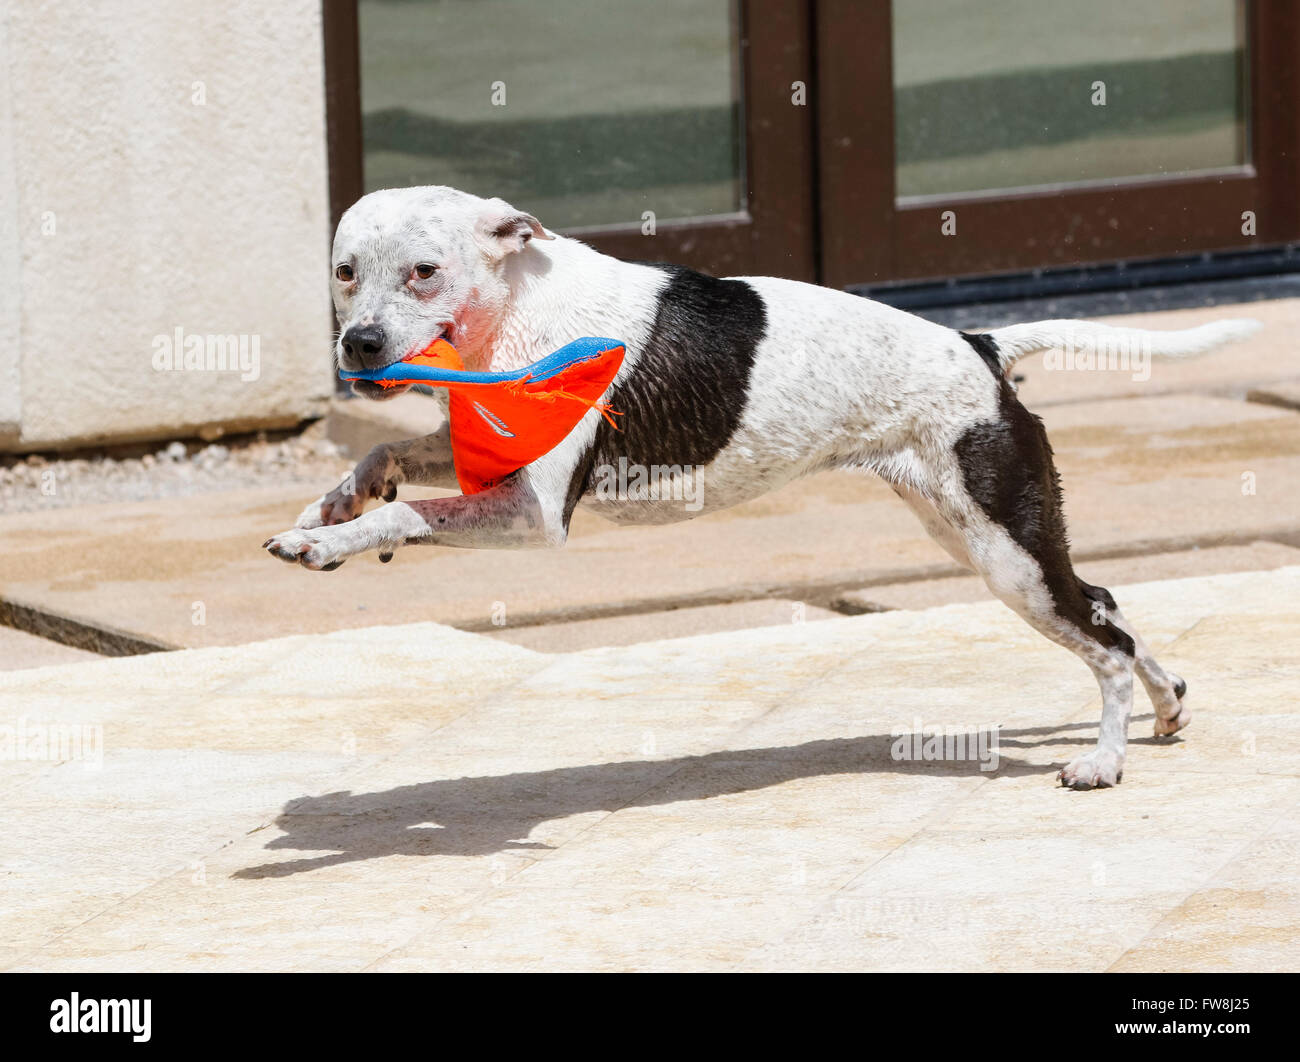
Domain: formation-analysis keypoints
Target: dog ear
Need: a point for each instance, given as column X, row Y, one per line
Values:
column 504, row 230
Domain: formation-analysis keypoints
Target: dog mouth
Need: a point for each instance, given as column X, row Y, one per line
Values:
column 443, row 333
column 391, row 389
column 378, row 392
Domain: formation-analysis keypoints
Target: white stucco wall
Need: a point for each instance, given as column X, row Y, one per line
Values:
column 143, row 201
column 11, row 397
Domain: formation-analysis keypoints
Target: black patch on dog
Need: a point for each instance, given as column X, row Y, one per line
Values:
column 987, row 348
column 578, row 484
column 1098, row 593
column 682, row 401
column 1007, row 467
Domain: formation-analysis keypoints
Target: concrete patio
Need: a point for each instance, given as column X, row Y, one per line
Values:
column 423, row 798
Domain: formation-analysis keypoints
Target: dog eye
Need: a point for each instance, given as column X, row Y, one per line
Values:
column 424, row 270
column 344, row 273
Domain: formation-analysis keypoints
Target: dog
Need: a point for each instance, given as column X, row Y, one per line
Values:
column 754, row 381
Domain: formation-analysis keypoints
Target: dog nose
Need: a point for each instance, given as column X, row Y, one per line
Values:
column 365, row 344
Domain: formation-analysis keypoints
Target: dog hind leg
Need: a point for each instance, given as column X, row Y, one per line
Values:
column 1167, row 691
column 1001, row 497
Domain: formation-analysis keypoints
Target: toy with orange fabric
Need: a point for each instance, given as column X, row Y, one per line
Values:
column 502, row 421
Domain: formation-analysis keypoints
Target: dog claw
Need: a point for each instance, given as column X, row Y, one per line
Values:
column 308, row 548
column 276, row 549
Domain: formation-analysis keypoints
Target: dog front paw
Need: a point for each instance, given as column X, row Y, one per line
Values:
column 340, row 505
column 312, row 516
column 316, row 549
column 370, row 479
column 1098, row 769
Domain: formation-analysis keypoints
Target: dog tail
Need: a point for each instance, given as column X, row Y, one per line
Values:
column 1016, row 341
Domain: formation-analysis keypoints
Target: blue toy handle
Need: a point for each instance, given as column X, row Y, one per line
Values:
column 552, row 365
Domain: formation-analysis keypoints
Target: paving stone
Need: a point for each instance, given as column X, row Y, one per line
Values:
column 655, row 626
column 1140, row 474
column 1284, row 394
column 192, row 572
column 1245, row 918
column 18, row 649
column 358, row 424
column 419, row 798
column 1119, row 571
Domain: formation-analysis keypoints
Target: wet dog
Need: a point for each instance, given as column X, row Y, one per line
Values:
column 748, row 382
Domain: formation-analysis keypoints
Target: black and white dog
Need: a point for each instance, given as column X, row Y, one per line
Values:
column 754, row 381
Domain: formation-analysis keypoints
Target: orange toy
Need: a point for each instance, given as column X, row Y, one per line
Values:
column 501, row 421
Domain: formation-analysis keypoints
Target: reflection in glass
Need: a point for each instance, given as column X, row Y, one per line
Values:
column 996, row 94
column 585, row 112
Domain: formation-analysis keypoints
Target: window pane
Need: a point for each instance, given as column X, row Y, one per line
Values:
column 1008, row 93
column 585, row 112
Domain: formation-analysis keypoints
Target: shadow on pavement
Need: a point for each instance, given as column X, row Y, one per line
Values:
column 483, row 815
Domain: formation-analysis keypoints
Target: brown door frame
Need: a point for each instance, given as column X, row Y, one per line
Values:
column 871, row 238
column 776, row 233
column 345, row 151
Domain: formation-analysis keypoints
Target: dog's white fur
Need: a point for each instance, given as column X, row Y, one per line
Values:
column 839, row 381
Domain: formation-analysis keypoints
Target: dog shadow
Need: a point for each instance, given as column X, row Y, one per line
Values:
column 479, row 816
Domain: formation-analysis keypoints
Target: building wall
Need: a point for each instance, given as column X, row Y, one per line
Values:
column 11, row 396
column 162, row 167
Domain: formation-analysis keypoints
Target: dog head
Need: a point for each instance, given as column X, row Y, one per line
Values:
column 412, row 265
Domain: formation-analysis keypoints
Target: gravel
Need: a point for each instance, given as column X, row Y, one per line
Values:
column 171, row 470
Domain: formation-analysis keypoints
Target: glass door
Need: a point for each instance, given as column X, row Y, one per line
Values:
column 1072, row 94
column 658, row 131
column 1027, row 134
column 586, row 110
